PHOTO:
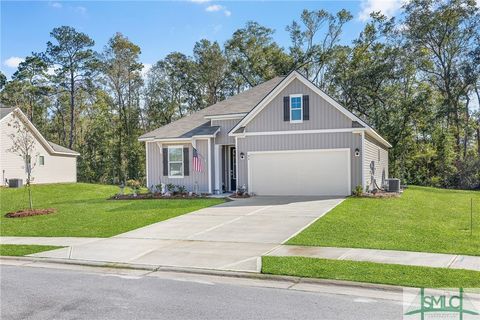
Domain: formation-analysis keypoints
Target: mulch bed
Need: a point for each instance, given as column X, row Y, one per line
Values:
column 240, row 196
column 29, row 213
column 381, row 194
column 154, row 196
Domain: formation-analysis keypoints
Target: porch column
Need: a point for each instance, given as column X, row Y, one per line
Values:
column 216, row 149
column 209, row 165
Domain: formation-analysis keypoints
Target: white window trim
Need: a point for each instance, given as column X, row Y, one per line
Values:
column 40, row 162
column 301, row 107
column 168, row 162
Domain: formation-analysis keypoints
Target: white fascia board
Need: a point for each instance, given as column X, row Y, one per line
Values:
column 378, row 137
column 264, row 102
column 176, row 140
column 274, row 133
column 230, row 116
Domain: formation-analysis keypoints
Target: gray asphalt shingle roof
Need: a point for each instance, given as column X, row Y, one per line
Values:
column 196, row 124
column 4, row 111
column 59, row 148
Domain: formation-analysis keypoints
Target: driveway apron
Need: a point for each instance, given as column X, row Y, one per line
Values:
column 230, row 236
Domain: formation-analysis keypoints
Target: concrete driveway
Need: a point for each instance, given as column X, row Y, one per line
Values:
column 230, row 236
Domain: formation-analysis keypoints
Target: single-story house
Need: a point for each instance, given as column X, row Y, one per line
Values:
column 52, row 163
column 282, row 137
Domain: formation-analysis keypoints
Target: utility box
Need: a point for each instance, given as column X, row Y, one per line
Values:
column 393, row 185
column 15, row 183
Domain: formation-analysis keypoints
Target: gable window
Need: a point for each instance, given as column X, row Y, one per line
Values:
column 175, row 161
column 41, row 160
column 296, row 108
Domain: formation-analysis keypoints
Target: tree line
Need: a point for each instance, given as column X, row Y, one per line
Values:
column 414, row 79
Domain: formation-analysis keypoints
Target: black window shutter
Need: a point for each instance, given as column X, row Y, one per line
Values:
column 306, row 108
column 165, row 161
column 286, row 108
column 186, row 162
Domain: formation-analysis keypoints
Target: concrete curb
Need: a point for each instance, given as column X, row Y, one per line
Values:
column 210, row 272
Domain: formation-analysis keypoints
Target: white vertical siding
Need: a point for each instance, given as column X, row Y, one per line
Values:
column 375, row 152
column 56, row 168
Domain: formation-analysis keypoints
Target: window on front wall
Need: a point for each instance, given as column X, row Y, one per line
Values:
column 296, row 110
column 41, row 160
column 175, row 161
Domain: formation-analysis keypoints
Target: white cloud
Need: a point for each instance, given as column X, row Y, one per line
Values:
column 387, row 7
column 214, row 7
column 13, row 62
column 56, row 5
column 146, row 68
column 51, row 71
column 80, row 9
column 217, row 8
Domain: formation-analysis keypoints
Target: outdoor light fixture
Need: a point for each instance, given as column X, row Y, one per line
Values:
column 242, row 155
column 357, row 152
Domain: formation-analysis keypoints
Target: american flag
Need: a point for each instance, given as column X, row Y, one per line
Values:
column 197, row 161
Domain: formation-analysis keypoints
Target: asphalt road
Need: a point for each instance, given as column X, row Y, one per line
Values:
column 41, row 293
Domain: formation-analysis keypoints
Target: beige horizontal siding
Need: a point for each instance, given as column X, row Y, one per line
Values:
column 56, row 168
column 375, row 152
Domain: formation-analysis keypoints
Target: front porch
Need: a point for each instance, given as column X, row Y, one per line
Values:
column 225, row 173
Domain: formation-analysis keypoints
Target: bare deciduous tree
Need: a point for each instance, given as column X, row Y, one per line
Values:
column 23, row 145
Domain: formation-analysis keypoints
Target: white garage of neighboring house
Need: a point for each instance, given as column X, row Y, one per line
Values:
column 52, row 163
column 282, row 137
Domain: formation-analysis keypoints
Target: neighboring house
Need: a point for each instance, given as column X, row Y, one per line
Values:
column 282, row 137
column 53, row 163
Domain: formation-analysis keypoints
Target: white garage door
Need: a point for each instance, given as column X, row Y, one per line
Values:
column 301, row 172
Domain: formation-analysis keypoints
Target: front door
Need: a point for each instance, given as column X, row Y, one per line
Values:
column 233, row 169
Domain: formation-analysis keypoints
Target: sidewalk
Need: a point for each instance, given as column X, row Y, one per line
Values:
column 424, row 259
column 189, row 252
column 48, row 241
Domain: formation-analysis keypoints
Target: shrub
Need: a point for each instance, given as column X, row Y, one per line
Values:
column 134, row 185
column 171, row 187
column 182, row 189
column 358, row 191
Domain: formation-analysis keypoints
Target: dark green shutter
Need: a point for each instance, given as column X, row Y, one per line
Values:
column 286, row 108
column 165, row 161
column 306, row 108
column 186, row 162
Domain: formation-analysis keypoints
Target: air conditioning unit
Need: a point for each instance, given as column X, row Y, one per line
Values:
column 15, row 183
column 393, row 185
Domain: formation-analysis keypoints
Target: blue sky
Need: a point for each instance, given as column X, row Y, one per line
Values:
column 160, row 27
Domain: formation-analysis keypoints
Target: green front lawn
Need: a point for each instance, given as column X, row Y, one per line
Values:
column 22, row 250
column 393, row 274
column 83, row 211
column 422, row 219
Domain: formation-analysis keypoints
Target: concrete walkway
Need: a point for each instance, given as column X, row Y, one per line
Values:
column 230, row 236
column 424, row 259
column 48, row 241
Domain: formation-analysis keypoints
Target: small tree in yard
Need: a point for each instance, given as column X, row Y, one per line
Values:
column 23, row 145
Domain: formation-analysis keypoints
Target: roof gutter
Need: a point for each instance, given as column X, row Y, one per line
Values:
column 200, row 136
